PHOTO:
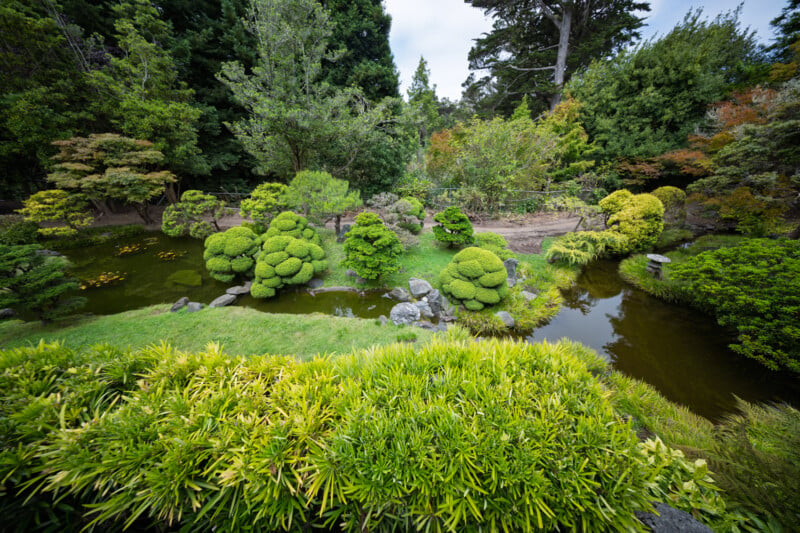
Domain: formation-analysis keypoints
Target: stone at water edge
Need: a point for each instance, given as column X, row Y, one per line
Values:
column 222, row 301
column 671, row 520
column 399, row 294
column 239, row 290
column 424, row 309
column 350, row 273
column 507, row 319
column 192, row 307
column 315, row 283
column 404, row 313
column 180, row 304
column 419, row 287
column 383, row 320
column 528, row 296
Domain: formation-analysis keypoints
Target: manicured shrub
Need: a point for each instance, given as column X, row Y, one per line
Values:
column 475, row 278
column 371, row 248
column 195, row 215
column 453, row 229
column 674, row 201
column 495, row 243
column 583, row 247
column 752, row 287
column 264, row 202
column 231, row 254
column 640, row 218
column 321, row 197
column 36, row 283
column 65, row 212
column 14, row 229
column 365, row 442
column 614, row 202
column 291, row 224
column 285, row 261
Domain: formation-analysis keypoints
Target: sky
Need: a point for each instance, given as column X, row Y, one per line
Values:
column 443, row 32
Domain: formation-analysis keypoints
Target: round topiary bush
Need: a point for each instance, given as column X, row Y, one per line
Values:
column 231, row 253
column 641, row 220
column 613, row 202
column 454, row 228
column 372, row 249
column 292, row 225
column 284, row 261
column 475, row 278
column 674, row 201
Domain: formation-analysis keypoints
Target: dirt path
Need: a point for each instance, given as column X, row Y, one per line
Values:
column 523, row 233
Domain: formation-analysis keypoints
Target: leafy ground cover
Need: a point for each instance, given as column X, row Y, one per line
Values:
column 238, row 329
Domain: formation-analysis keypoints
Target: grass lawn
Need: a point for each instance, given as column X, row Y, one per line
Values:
column 240, row 330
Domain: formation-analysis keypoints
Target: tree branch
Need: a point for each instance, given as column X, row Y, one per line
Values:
column 548, row 12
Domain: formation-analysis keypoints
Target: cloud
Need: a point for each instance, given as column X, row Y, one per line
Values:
column 443, row 32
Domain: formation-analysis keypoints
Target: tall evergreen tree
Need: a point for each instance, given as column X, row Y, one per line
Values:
column 536, row 45
column 423, row 101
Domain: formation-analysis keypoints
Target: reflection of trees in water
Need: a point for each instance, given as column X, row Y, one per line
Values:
column 601, row 280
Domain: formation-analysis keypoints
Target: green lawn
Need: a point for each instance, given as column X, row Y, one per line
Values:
column 240, row 330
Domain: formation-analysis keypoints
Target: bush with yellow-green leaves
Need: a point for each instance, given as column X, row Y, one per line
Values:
column 285, row 261
column 231, row 254
column 475, row 278
column 292, row 225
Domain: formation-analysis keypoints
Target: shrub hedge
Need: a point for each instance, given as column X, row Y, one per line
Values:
column 286, row 261
column 475, row 278
column 231, row 254
column 453, row 436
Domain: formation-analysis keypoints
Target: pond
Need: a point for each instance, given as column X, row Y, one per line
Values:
column 681, row 352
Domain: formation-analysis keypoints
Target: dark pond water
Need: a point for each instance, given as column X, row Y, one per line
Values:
column 680, row 351
column 150, row 280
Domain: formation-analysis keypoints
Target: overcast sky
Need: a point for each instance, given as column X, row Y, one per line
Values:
column 443, row 30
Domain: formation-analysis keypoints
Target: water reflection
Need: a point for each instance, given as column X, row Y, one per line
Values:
column 682, row 352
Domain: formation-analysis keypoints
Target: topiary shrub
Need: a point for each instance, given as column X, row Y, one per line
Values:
column 372, row 249
column 674, row 201
column 292, row 225
column 613, row 202
column 583, row 247
column 475, row 278
column 640, row 220
column 264, row 201
column 231, row 254
column 195, row 215
column 454, row 228
column 497, row 244
column 285, row 261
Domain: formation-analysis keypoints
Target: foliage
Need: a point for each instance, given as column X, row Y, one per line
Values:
column 284, row 261
column 357, row 476
column 645, row 102
column 495, row 243
column 14, row 229
column 583, row 247
column 405, row 216
column 787, row 25
column 534, row 50
column 97, row 235
column 371, row 248
column 756, row 459
column 475, row 278
column 751, row 287
column 422, row 100
column 640, row 220
column 264, row 202
column 672, row 237
column 290, row 224
column 231, row 254
column 189, row 216
column 110, row 166
column 33, row 282
column 674, row 201
column 453, row 228
column 321, row 197
column 66, row 213
column 294, row 119
column 615, row 202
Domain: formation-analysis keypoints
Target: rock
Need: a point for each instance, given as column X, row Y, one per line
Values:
column 448, row 310
column 350, row 273
column 383, row 320
column 322, row 290
column 511, row 268
column 7, row 313
column 507, row 319
column 187, row 278
column 49, row 253
column 528, row 296
column 404, row 313
column 180, row 304
column 424, row 324
column 419, row 287
column 222, row 301
column 442, row 326
column 239, row 290
column 399, row 294
column 511, row 282
column 671, row 521
column 345, row 228
column 191, row 307
column 315, row 283
column 424, row 309
column 435, row 301
column 360, row 280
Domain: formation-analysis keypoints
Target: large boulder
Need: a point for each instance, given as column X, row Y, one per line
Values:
column 222, row 301
column 506, row 318
column 404, row 313
column 7, row 313
column 399, row 294
column 424, row 309
column 671, row 520
column 435, row 302
column 239, row 290
column 419, row 287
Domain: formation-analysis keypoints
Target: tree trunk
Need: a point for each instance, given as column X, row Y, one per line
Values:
column 337, row 222
column 564, row 27
column 144, row 213
column 171, row 193
column 796, row 233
